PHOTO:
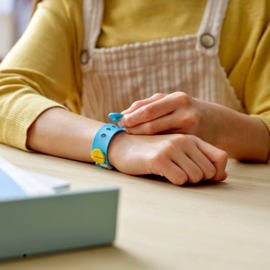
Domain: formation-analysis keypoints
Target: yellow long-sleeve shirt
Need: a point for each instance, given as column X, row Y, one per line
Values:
column 43, row 69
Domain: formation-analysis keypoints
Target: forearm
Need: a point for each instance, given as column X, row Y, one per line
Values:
column 62, row 133
column 243, row 137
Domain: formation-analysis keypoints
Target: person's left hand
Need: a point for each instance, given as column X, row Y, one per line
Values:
column 173, row 113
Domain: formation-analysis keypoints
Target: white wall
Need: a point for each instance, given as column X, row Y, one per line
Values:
column 6, row 26
column 7, row 33
column 6, row 6
column 14, row 17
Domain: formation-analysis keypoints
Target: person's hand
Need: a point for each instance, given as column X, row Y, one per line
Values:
column 173, row 113
column 180, row 158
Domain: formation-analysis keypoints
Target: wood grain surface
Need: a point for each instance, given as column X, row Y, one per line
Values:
column 161, row 226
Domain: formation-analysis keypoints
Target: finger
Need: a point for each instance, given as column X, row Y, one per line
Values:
column 218, row 157
column 138, row 104
column 154, row 127
column 225, row 175
column 174, row 173
column 163, row 165
column 171, row 171
column 173, row 131
column 193, row 172
column 207, row 167
column 147, row 113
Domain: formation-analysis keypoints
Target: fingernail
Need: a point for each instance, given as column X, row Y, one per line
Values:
column 121, row 124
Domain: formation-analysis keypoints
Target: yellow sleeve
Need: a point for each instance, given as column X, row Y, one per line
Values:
column 257, row 88
column 42, row 69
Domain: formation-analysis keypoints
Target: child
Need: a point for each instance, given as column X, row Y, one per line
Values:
column 98, row 57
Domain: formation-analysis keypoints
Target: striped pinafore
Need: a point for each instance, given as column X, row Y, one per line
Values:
column 113, row 78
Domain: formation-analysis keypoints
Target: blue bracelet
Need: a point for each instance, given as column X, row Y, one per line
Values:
column 115, row 116
column 101, row 144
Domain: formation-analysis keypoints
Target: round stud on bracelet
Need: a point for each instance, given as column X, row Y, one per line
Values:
column 98, row 156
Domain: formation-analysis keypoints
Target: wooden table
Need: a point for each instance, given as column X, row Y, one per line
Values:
column 162, row 226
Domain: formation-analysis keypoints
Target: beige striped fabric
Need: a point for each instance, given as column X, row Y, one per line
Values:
column 114, row 78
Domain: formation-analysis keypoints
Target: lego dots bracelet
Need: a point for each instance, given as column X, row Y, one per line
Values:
column 102, row 140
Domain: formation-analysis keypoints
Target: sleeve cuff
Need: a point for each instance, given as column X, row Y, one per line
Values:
column 21, row 117
column 266, row 120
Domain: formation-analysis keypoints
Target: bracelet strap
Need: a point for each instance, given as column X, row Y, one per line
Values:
column 101, row 144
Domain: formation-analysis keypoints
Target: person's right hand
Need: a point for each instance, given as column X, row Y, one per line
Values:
column 180, row 158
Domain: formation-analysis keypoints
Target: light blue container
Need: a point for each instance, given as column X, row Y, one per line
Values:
column 72, row 220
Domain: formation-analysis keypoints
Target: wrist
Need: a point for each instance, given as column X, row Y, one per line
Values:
column 115, row 149
column 242, row 136
column 211, row 127
column 221, row 123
